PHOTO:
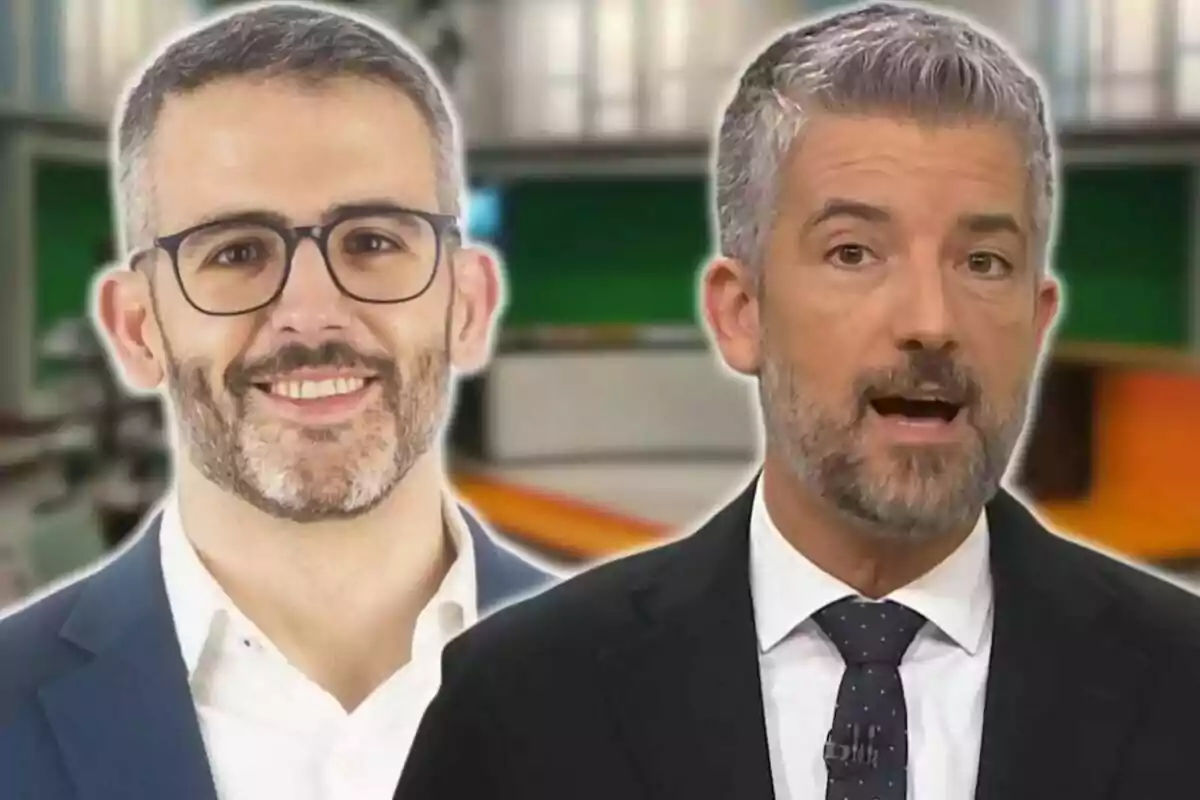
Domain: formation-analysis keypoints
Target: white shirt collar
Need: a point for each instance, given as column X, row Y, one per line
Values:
column 787, row 588
column 199, row 605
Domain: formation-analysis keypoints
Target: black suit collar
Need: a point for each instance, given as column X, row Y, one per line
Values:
column 1062, row 691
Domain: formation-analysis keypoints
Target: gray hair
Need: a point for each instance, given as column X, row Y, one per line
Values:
column 884, row 57
column 299, row 41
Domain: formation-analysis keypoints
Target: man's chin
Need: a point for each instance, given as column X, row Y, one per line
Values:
column 313, row 512
column 914, row 503
column 320, row 482
column 315, row 503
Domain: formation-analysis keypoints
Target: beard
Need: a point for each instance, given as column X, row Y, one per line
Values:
column 909, row 493
column 311, row 474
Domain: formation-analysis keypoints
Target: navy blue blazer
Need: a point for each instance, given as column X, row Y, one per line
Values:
column 94, row 695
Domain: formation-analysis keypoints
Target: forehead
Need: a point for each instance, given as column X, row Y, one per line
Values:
column 284, row 146
column 910, row 167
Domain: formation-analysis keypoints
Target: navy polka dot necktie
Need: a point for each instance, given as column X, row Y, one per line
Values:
column 866, row 753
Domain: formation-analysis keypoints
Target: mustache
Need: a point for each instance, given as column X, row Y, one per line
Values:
column 925, row 371
column 241, row 375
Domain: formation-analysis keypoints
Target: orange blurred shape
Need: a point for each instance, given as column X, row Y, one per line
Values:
column 565, row 526
column 1147, row 467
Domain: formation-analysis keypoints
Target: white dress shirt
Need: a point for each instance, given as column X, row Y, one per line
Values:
column 269, row 731
column 944, row 671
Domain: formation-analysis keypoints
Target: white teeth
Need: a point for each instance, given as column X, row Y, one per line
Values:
column 312, row 390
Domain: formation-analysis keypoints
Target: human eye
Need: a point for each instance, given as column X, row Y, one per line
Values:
column 851, row 256
column 986, row 264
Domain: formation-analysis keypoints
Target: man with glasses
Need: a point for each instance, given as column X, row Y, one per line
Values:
column 289, row 187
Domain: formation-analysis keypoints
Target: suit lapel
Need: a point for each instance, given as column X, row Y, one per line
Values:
column 685, row 691
column 1062, row 689
column 125, row 720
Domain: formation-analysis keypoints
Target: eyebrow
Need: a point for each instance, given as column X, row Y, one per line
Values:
column 263, row 215
column 971, row 223
column 853, row 209
column 990, row 223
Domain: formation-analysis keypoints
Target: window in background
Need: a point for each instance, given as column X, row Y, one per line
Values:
column 826, row 5
column 1187, row 86
column 1067, row 58
column 698, row 47
column 614, row 84
column 621, row 67
column 1107, row 59
column 10, row 39
column 48, row 46
column 547, row 53
column 667, row 67
column 1134, row 77
column 102, row 42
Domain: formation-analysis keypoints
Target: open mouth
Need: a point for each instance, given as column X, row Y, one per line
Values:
column 310, row 389
column 916, row 409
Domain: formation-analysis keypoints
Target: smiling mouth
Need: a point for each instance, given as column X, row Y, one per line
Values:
column 923, row 409
column 315, row 389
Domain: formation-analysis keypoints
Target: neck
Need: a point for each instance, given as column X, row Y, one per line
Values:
column 340, row 599
column 872, row 562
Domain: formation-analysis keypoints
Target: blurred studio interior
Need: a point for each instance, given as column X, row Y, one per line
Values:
column 604, row 424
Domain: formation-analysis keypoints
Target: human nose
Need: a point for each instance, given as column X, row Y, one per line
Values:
column 310, row 304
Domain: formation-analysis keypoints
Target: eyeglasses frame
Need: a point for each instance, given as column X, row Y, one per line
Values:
column 445, row 228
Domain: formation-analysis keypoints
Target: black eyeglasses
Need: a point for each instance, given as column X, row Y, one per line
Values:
column 375, row 254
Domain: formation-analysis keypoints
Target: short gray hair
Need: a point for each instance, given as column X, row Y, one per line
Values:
column 299, row 41
column 884, row 57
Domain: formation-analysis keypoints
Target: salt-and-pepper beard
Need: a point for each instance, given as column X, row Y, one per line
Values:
column 314, row 474
column 925, row 492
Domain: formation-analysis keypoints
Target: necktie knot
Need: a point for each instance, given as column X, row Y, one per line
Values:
column 869, row 632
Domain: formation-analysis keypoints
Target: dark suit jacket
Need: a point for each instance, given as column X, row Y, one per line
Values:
column 94, row 697
column 640, row 679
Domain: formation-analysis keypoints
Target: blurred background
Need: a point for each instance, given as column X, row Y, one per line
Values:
column 604, row 424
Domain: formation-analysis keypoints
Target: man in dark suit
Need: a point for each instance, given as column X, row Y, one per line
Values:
column 873, row 617
column 289, row 183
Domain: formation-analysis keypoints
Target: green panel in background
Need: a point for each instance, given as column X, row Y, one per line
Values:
column 604, row 251
column 1123, row 251
column 627, row 251
column 73, row 223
